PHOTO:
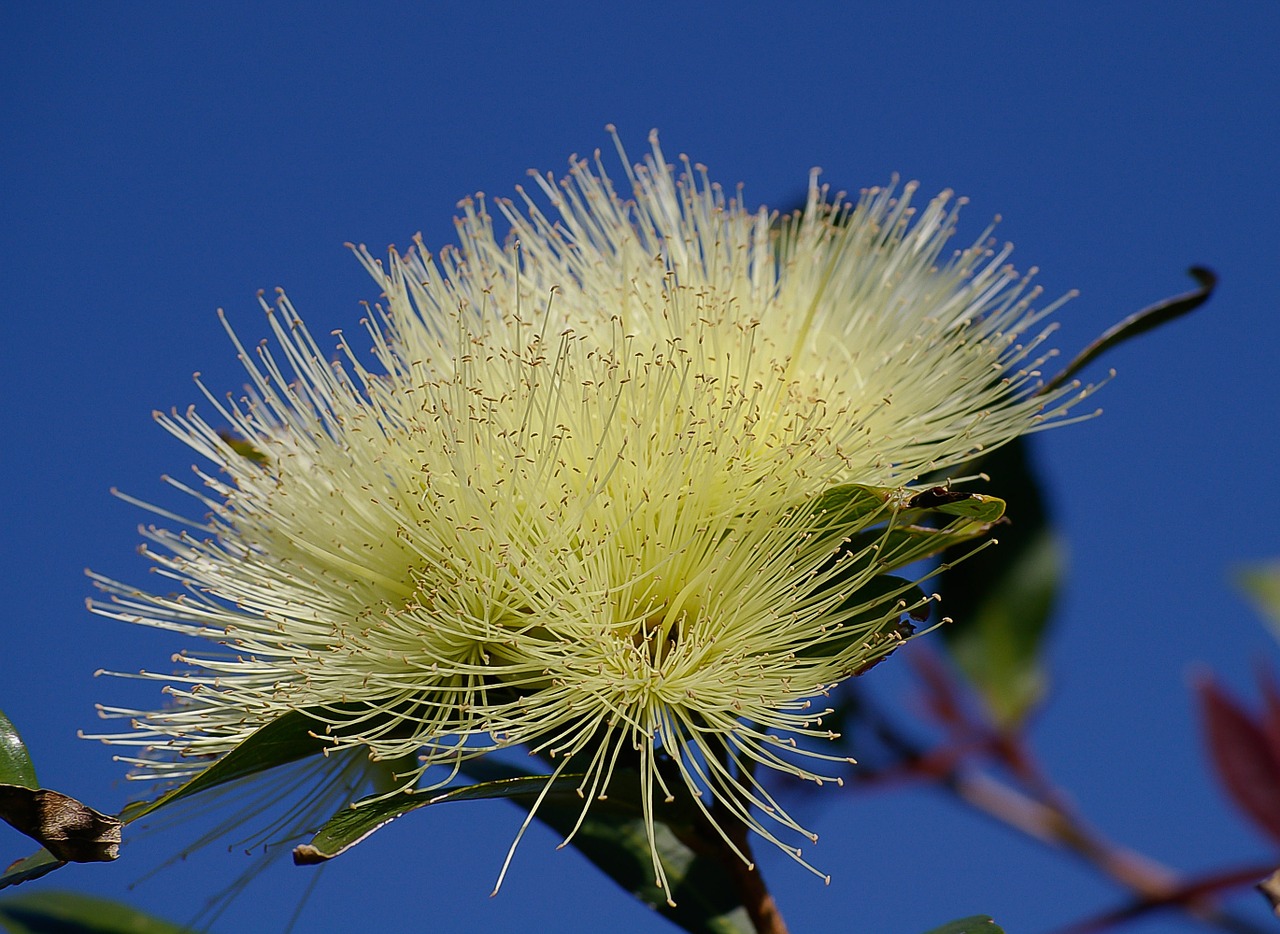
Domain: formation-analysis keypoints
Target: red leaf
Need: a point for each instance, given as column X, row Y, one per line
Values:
column 1243, row 755
column 1270, row 710
column 941, row 692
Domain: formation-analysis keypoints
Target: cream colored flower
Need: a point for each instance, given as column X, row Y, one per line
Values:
column 570, row 501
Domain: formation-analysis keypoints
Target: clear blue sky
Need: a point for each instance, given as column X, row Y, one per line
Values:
column 161, row 160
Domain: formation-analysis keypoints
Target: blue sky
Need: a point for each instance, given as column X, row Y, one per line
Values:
column 161, row 161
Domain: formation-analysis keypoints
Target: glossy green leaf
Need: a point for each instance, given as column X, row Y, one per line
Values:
column 977, row 924
column 293, row 736
column 1002, row 598
column 38, row 864
column 355, row 823
column 613, row 837
column 52, row 912
column 16, row 767
column 851, row 504
column 915, row 532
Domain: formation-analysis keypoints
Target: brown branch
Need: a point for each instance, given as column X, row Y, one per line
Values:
column 1038, row 809
column 747, row 879
column 760, row 905
column 1189, row 895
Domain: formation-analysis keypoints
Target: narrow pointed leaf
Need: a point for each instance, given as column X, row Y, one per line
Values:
column 355, row 823
column 291, row 737
column 852, row 504
column 1243, row 757
column 39, row 863
column 915, row 533
column 51, row 912
column 16, row 767
column 612, row 836
column 978, row 924
column 1140, row 322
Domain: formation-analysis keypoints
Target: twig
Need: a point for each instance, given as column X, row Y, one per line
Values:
column 1187, row 896
column 747, row 878
column 1040, row 811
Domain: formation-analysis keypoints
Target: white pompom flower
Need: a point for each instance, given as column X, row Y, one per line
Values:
column 570, row 501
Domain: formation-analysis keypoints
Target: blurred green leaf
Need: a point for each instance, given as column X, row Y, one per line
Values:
column 16, row 767
column 243, row 448
column 1262, row 583
column 52, row 912
column 1002, row 597
column 978, row 924
column 38, row 864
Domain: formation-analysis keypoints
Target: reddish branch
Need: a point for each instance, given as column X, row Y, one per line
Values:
column 1034, row 806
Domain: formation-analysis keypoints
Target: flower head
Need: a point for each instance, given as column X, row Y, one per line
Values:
column 576, row 500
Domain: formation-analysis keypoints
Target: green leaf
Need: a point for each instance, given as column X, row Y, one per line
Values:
column 355, row 823
column 1261, row 582
column 290, row 737
column 612, row 835
column 1003, row 597
column 16, row 767
column 914, row 534
column 851, row 504
column 978, row 924
column 38, row 864
column 52, row 912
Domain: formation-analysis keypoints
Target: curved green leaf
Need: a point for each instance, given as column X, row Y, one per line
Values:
column 913, row 534
column 977, row 924
column 355, row 823
column 16, row 767
column 52, row 912
column 39, row 863
column 613, row 836
column 293, row 736
column 851, row 504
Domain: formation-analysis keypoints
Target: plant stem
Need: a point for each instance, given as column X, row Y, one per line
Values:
column 749, row 881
